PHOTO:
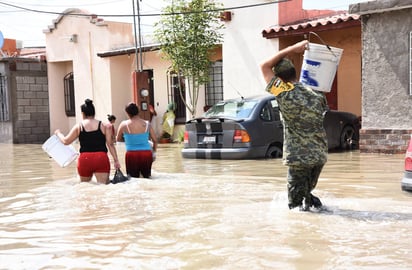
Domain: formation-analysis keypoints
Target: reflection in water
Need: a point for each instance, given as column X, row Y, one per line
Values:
column 202, row 214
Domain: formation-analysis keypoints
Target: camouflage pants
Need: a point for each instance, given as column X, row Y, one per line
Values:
column 301, row 182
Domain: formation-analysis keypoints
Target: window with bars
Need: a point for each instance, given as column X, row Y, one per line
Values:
column 214, row 89
column 4, row 99
column 410, row 63
column 69, row 103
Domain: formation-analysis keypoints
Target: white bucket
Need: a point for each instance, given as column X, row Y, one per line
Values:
column 319, row 66
column 62, row 154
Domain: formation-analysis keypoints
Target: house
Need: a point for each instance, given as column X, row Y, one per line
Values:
column 82, row 63
column 88, row 57
column 98, row 59
column 386, row 75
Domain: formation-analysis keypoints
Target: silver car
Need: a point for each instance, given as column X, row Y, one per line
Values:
column 251, row 128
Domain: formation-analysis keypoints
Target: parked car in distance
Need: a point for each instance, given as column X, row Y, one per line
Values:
column 251, row 128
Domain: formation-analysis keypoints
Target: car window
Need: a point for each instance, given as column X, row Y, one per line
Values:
column 275, row 108
column 232, row 109
column 265, row 114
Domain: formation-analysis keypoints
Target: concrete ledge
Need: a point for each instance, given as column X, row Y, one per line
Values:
column 371, row 7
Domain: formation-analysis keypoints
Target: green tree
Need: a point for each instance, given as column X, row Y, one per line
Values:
column 188, row 31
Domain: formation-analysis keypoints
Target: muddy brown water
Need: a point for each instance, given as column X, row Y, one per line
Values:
column 202, row 214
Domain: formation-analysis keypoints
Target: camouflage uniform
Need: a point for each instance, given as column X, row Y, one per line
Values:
column 305, row 145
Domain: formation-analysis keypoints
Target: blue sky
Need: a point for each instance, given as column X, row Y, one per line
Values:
column 28, row 26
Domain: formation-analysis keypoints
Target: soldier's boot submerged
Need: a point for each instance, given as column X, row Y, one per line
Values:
column 292, row 205
column 316, row 202
column 311, row 201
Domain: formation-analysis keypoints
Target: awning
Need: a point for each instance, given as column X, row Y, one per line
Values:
column 338, row 21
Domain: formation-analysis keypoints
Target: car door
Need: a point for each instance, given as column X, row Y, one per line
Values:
column 277, row 137
column 267, row 127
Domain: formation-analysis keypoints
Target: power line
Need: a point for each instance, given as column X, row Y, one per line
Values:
column 64, row 5
column 143, row 15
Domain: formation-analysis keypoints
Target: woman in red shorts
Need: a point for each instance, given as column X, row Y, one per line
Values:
column 136, row 133
column 95, row 138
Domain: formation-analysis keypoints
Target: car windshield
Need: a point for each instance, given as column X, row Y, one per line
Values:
column 232, row 109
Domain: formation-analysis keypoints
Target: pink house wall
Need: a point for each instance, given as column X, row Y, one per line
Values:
column 291, row 11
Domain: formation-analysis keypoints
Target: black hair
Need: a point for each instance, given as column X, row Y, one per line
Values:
column 111, row 117
column 88, row 108
column 132, row 109
column 287, row 75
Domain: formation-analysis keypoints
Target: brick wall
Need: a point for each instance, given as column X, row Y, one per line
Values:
column 30, row 101
column 385, row 141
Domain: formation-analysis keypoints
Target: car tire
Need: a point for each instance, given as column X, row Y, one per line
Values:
column 347, row 138
column 274, row 152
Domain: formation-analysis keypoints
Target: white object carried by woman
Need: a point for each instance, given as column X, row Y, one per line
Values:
column 62, row 154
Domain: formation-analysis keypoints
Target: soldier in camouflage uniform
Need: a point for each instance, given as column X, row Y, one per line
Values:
column 302, row 110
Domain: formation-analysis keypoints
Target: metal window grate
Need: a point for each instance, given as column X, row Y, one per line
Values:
column 4, row 99
column 410, row 63
column 69, row 94
column 214, row 89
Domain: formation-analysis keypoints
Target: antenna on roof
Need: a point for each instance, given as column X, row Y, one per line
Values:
column 236, row 91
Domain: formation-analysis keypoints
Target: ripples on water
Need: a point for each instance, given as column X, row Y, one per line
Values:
column 202, row 214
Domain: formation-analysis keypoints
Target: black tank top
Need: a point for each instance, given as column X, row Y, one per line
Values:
column 92, row 141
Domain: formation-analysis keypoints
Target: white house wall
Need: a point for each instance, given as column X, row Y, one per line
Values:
column 244, row 47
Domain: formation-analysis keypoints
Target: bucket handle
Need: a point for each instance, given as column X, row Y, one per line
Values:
column 324, row 43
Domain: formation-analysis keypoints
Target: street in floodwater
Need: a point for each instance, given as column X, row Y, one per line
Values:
column 202, row 214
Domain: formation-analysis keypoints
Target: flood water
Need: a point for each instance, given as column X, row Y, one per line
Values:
column 202, row 214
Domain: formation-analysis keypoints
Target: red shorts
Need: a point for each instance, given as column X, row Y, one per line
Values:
column 139, row 162
column 89, row 163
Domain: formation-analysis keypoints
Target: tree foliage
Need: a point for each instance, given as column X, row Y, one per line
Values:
column 188, row 31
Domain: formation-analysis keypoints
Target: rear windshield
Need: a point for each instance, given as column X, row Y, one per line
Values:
column 232, row 109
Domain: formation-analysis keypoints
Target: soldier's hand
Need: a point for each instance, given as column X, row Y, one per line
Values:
column 300, row 46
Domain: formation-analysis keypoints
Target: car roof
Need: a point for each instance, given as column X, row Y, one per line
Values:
column 264, row 96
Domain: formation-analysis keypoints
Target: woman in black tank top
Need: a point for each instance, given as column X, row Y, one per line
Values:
column 95, row 140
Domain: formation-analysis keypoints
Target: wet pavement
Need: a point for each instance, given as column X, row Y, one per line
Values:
column 202, row 214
